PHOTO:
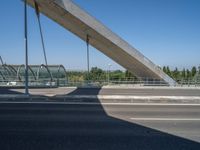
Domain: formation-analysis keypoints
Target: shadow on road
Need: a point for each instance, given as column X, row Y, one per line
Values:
column 7, row 90
column 78, row 127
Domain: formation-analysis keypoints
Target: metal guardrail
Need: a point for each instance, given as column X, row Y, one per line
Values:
column 97, row 83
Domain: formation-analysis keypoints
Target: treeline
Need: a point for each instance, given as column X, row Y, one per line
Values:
column 97, row 74
column 184, row 74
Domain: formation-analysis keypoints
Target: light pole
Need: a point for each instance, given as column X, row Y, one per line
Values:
column 26, row 48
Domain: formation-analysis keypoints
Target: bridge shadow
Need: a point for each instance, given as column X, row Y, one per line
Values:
column 77, row 127
column 8, row 90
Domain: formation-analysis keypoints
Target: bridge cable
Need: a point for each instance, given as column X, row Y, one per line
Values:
column 1, row 60
column 37, row 11
column 0, row 70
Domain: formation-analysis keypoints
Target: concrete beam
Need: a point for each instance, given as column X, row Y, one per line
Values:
column 76, row 20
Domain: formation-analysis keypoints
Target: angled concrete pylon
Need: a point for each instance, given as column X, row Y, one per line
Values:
column 76, row 20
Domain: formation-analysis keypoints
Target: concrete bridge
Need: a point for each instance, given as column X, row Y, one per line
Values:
column 77, row 21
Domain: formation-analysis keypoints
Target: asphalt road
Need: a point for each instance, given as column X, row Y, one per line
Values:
column 108, row 91
column 55, row 126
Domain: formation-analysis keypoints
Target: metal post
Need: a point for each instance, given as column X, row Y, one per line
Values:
column 26, row 48
column 88, row 57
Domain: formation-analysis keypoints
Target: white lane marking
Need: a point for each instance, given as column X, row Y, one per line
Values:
column 166, row 119
column 131, row 97
column 97, row 103
column 126, row 97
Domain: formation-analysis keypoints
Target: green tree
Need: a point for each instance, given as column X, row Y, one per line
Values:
column 183, row 74
column 117, row 75
column 129, row 75
column 96, row 74
column 168, row 71
column 176, row 74
column 193, row 71
column 164, row 69
column 188, row 74
column 199, row 69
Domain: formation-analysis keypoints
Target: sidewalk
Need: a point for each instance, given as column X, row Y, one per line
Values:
column 106, row 95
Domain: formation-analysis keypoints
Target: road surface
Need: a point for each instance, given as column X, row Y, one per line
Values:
column 75, row 126
column 154, row 91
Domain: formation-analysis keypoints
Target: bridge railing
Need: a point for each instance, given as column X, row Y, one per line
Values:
column 126, row 82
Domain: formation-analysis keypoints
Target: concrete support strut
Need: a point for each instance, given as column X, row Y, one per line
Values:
column 77, row 21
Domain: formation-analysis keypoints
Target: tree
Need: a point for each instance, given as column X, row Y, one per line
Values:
column 188, row 74
column 96, row 74
column 168, row 71
column 199, row 69
column 183, row 74
column 116, row 75
column 164, row 69
column 193, row 71
column 129, row 75
column 176, row 73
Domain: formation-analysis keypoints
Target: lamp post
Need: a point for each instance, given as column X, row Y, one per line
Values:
column 26, row 47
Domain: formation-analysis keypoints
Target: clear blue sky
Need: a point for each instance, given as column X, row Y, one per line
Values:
column 165, row 31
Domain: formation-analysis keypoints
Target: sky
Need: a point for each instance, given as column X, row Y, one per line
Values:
column 165, row 31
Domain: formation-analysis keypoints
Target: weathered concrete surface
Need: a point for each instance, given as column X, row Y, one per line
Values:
column 76, row 20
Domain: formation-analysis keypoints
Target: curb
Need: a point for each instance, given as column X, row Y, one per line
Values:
column 105, row 98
